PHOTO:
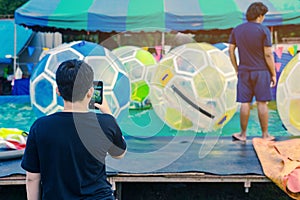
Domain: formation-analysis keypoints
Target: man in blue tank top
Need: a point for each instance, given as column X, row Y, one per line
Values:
column 256, row 70
column 65, row 151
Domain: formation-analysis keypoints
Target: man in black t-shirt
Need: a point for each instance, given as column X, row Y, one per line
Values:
column 256, row 70
column 65, row 151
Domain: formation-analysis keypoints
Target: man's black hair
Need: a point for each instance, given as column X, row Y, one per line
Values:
column 255, row 10
column 74, row 78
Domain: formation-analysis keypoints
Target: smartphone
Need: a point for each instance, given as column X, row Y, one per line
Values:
column 98, row 94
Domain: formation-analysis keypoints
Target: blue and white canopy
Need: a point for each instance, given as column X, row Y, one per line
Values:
column 137, row 15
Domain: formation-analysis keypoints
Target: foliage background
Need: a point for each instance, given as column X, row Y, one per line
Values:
column 8, row 7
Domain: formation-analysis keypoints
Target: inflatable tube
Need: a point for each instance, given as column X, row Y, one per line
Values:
column 4, row 132
column 13, row 143
column 11, row 154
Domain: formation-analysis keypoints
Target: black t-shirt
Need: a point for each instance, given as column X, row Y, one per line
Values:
column 251, row 38
column 69, row 151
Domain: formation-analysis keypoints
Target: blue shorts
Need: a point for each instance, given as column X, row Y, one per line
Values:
column 254, row 83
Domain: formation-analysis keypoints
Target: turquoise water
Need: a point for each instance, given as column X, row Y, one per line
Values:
column 143, row 123
column 146, row 123
column 16, row 116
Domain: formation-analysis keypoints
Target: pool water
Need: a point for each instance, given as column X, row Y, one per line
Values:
column 143, row 123
column 146, row 123
column 16, row 116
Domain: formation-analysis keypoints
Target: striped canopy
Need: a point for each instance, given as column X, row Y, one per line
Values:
column 149, row 15
column 7, row 31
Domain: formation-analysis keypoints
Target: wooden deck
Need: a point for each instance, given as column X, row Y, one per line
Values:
column 118, row 179
column 226, row 162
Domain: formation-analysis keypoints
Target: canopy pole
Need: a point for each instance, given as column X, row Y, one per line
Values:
column 275, row 39
column 15, row 48
column 162, row 43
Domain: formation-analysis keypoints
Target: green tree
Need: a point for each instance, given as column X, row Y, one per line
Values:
column 8, row 7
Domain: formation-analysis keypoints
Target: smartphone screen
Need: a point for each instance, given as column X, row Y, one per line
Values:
column 98, row 94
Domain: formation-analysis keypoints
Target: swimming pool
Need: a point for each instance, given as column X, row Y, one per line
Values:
column 147, row 122
column 16, row 112
column 139, row 123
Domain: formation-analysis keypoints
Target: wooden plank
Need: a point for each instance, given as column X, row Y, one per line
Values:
column 13, row 180
column 182, row 177
column 160, row 177
column 187, row 177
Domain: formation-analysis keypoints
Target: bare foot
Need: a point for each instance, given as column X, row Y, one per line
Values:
column 238, row 136
column 268, row 137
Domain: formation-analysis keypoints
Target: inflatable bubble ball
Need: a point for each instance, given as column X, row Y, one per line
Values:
column 194, row 88
column 139, row 65
column 288, row 96
column 106, row 68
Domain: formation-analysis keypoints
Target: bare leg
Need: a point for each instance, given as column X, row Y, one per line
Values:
column 263, row 115
column 244, row 118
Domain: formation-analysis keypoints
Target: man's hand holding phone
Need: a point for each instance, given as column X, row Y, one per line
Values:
column 104, row 108
column 97, row 100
